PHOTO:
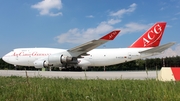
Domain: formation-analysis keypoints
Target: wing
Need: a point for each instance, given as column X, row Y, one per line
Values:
column 82, row 49
column 158, row 49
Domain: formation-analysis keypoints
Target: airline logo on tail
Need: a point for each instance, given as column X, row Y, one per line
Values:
column 152, row 37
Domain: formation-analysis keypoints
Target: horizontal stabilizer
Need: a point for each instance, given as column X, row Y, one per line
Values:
column 158, row 49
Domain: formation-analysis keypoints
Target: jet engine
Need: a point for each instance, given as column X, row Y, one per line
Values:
column 55, row 60
column 40, row 64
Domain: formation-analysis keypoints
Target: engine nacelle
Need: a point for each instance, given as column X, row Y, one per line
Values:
column 56, row 60
column 40, row 64
column 84, row 64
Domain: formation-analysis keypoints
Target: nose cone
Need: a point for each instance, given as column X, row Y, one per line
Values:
column 5, row 58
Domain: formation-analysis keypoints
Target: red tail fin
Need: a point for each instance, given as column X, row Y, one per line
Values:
column 152, row 37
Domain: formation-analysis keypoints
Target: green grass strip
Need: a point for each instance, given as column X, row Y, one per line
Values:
column 58, row 89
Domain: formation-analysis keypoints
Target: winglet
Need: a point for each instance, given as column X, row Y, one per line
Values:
column 111, row 35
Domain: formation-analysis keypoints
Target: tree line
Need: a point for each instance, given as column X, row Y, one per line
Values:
column 141, row 64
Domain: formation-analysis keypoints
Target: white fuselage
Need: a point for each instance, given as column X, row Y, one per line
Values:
column 95, row 57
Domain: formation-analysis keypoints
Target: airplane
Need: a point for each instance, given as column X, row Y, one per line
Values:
column 85, row 55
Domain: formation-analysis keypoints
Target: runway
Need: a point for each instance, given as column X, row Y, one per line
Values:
column 141, row 75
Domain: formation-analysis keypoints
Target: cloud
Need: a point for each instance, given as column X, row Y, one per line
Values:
column 121, row 12
column 113, row 21
column 177, row 13
column 45, row 7
column 90, row 16
column 78, row 36
column 177, row 50
column 169, row 26
column 162, row 8
column 168, row 53
column 134, row 27
column 174, row 18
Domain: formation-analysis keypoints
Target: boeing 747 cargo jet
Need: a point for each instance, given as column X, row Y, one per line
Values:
column 86, row 55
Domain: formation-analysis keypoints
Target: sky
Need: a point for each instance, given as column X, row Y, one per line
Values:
column 69, row 23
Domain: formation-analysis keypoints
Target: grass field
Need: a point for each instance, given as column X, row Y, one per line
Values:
column 57, row 89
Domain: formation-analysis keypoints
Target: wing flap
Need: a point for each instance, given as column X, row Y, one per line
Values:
column 158, row 49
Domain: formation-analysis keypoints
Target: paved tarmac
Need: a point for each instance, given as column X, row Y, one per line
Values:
column 142, row 75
